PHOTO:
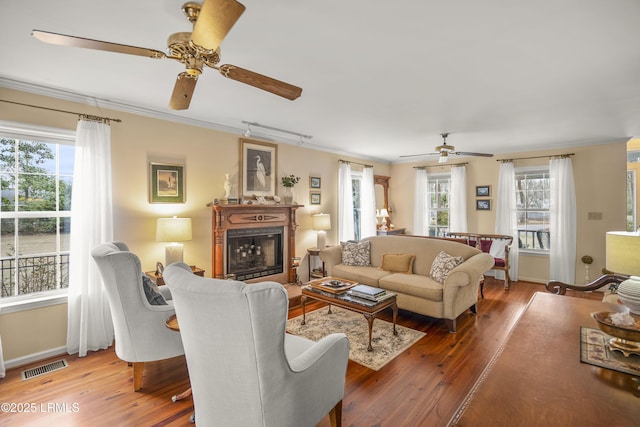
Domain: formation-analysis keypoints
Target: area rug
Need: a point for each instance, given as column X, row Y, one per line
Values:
column 386, row 346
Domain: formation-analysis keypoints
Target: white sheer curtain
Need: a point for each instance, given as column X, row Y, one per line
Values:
column 345, row 203
column 421, row 205
column 458, row 200
column 2, row 368
column 506, row 219
column 367, row 205
column 89, row 320
column 562, row 227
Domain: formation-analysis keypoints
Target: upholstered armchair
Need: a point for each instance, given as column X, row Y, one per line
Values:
column 244, row 369
column 141, row 333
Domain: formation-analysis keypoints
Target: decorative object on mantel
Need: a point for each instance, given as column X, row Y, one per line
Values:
column 173, row 230
column 587, row 260
column 288, row 182
column 321, row 223
column 623, row 249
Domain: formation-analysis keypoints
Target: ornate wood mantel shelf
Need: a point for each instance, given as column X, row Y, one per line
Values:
column 230, row 217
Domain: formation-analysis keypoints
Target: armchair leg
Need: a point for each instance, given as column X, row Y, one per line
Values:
column 137, row 375
column 451, row 324
column 335, row 415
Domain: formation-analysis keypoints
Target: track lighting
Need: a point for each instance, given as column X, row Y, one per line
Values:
column 248, row 132
column 302, row 137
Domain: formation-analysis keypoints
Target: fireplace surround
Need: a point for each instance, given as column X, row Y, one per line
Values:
column 253, row 242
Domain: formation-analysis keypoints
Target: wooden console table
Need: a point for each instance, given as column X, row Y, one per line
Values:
column 537, row 379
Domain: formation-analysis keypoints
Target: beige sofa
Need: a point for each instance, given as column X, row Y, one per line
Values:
column 417, row 291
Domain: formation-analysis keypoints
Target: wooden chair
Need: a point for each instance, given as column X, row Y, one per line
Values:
column 613, row 280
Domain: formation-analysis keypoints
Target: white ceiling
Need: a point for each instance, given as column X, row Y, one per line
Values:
column 380, row 79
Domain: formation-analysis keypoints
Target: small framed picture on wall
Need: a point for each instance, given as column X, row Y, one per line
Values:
column 483, row 191
column 166, row 183
column 314, row 182
column 314, row 198
column 483, row 205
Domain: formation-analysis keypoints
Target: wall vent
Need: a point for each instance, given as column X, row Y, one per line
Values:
column 44, row 369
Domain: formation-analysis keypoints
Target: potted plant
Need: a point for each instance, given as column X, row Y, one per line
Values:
column 288, row 182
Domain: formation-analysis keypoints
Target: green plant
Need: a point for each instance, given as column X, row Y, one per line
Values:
column 289, row 181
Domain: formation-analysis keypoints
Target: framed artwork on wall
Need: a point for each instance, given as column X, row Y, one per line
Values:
column 483, row 205
column 314, row 198
column 314, row 182
column 258, row 165
column 483, row 191
column 166, row 183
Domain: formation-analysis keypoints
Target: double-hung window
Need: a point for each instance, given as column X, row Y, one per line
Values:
column 532, row 207
column 438, row 216
column 36, row 174
column 356, row 187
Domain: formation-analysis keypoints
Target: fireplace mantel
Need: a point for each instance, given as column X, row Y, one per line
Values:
column 228, row 217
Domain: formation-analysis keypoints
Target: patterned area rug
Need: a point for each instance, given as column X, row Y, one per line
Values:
column 386, row 346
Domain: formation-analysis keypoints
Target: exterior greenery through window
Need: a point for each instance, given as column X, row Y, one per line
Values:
column 35, row 216
column 438, row 220
column 532, row 206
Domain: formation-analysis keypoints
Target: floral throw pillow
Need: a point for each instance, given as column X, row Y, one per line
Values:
column 443, row 264
column 356, row 253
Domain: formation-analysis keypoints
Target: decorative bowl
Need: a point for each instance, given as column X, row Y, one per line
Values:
column 626, row 339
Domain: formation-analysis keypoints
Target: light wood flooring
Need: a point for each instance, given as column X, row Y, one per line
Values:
column 421, row 387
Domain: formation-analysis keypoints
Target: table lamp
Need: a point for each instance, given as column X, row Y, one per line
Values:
column 384, row 214
column 321, row 223
column 623, row 257
column 173, row 230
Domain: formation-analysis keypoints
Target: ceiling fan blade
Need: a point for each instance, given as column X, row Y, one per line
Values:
column 183, row 91
column 269, row 84
column 466, row 153
column 214, row 22
column 65, row 40
column 420, row 155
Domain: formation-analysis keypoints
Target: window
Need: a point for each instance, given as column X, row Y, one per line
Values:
column 438, row 220
column 36, row 175
column 532, row 206
column 356, row 187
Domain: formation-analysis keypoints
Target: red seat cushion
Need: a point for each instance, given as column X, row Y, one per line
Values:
column 485, row 245
column 499, row 262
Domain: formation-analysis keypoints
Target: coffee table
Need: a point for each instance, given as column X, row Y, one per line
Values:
column 344, row 300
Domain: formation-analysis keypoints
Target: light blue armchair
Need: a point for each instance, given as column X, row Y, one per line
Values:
column 244, row 369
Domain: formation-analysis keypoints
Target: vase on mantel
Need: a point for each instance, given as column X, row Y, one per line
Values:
column 287, row 197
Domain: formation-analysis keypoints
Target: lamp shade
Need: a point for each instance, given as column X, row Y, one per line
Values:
column 384, row 213
column 623, row 252
column 321, row 221
column 173, row 229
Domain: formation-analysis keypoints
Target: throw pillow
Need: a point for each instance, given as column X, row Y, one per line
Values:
column 398, row 263
column 151, row 291
column 356, row 253
column 497, row 248
column 443, row 264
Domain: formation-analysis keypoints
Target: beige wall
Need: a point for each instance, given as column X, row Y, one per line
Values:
column 207, row 155
column 600, row 177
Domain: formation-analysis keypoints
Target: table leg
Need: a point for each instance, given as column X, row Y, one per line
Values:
column 303, row 301
column 329, row 312
column 394, row 307
column 370, row 319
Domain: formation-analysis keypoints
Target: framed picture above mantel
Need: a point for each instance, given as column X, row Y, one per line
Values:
column 258, row 166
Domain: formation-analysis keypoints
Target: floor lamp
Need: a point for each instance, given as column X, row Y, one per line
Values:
column 173, row 230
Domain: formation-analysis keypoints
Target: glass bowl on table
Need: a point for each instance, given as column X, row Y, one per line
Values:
column 624, row 329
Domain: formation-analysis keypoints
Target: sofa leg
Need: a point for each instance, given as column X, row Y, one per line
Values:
column 451, row 324
column 335, row 415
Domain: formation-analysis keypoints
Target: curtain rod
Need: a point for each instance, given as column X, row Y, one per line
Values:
column 355, row 163
column 443, row 165
column 554, row 156
column 80, row 115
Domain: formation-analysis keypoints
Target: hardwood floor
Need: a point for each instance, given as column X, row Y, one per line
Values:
column 421, row 387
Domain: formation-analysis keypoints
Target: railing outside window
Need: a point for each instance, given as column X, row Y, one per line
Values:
column 34, row 274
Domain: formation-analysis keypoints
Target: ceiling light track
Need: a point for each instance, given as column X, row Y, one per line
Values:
column 301, row 136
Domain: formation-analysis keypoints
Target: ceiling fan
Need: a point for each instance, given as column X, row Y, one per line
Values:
column 211, row 20
column 445, row 149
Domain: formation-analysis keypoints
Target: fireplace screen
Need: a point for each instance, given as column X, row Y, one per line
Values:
column 254, row 252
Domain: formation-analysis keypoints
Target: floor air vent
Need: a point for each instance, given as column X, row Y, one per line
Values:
column 44, row 369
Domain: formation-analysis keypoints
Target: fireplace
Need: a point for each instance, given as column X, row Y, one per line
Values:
column 254, row 252
column 253, row 242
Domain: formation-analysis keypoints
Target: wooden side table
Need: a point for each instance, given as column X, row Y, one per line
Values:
column 315, row 252
column 390, row 231
column 158, row 280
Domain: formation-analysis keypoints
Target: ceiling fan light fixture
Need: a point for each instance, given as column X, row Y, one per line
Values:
column 444, row 156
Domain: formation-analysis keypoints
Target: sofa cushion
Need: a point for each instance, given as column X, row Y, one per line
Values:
column 443, row 264
column 398, row 263
column 497, row 249
column 151, row 291
column 367, row 275
column 485, row 245
column 414, row 284
column 356, row 253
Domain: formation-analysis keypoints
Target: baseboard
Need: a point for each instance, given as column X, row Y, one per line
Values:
column 35, row 357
